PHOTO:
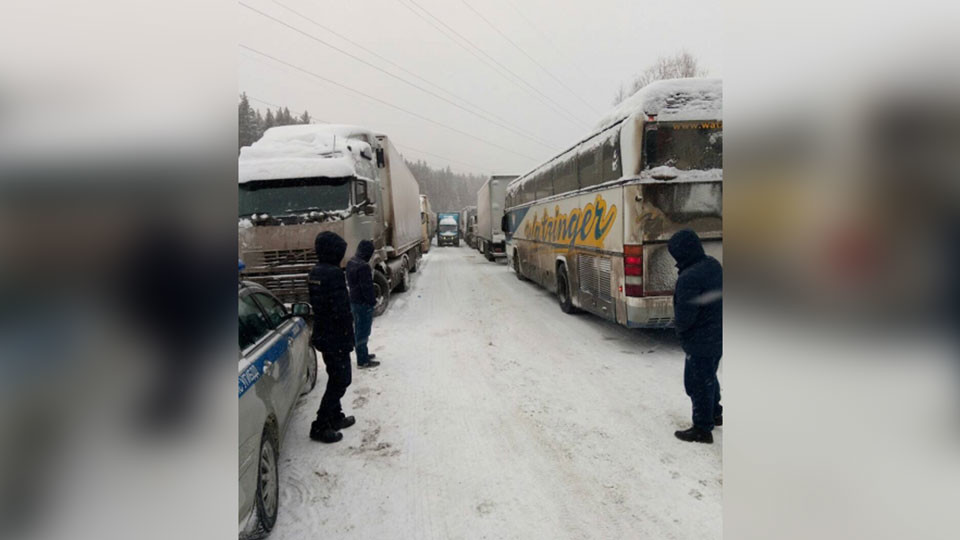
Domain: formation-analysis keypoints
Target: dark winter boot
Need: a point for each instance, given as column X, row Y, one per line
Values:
column 371, row 357
column 718, row 420
column 695, row 434
column 321, row 431
column 344, row 422
column 368, row 364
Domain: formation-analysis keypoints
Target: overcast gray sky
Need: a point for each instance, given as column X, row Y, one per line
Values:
column 570, row 56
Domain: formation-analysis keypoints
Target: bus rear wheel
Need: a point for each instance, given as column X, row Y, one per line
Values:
column 563, row 291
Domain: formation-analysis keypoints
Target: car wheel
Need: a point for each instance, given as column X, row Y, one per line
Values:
column 382, row 288
column 404, row 284
column 311, row 371
column 563, row 291
column 268, row 486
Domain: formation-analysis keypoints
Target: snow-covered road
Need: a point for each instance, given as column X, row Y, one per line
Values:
column 495, row 415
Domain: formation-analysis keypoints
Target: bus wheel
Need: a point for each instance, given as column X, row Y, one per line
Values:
column 563, row 291
column 516, row 266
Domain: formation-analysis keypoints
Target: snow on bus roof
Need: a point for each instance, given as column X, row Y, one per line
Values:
column 671, row 100
column 304, row 151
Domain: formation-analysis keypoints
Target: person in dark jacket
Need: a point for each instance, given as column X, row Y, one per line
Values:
column 698, row 317
column 363, row 298
column 332, row 334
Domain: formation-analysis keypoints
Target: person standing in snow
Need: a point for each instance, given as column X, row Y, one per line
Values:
column 363, row 298
column 698, row 317
column 332, row 334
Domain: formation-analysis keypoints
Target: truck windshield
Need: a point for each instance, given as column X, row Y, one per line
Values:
column 684, row 145
column 294, row 195
column 446, row 227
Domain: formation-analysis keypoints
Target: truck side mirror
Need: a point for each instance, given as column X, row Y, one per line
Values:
column 505, row 223
column 369, row 209
column 381, row 161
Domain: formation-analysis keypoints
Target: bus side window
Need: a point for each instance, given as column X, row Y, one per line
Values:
column 565, row 177
column 588, row 162
column 610, row 166
column 526, row 191
column 544, row 183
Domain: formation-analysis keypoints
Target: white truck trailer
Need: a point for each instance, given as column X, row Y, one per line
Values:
column 489, row 234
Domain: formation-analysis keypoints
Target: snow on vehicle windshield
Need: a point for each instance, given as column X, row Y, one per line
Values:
column 448, row 221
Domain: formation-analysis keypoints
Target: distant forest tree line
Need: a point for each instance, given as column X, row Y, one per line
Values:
column 253, row 123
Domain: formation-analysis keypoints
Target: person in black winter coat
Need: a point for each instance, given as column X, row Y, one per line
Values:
column 698, row 317
column 363, row 298
column 332, row 334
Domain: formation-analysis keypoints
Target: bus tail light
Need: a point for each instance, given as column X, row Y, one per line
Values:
column 633, row 270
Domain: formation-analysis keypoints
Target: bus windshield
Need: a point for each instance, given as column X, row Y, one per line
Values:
column 295, row 195
column 684, row 145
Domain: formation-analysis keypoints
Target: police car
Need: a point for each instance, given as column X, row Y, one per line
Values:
column 277, row 365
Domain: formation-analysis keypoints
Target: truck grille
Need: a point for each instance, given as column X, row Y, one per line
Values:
column 594, row 273
column 288, row 288
column 286, row 257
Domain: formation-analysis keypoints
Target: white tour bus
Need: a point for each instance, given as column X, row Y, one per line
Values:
column 592, row 224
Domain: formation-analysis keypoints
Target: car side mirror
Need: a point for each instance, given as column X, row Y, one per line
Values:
column 302, row 309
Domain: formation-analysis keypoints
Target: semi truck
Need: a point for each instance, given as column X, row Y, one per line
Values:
column 297, row 181
column 489, row 233
column 467, row 217
column 428, row 224
column 448, row 230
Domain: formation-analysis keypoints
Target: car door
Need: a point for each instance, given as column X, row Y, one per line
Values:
column 289, row 369
column 256, row 392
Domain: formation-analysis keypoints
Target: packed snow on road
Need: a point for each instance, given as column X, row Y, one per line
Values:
column 495, row 415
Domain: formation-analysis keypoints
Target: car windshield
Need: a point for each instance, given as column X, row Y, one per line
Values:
column 684, row 145
column 294, row 195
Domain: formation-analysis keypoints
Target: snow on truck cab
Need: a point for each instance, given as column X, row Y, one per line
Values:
column 297, row 181
column 592, row 224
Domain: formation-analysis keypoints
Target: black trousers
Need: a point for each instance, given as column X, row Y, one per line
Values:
column 700, row 382
column 338, row 379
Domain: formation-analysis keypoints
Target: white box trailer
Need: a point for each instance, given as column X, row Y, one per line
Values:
column 490, row 199
column 402, row 200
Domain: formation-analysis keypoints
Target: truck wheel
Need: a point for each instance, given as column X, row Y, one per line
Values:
column 404, row 284
column 415, row 261
column 488, row 252
column 311, row 371
column 563, row 291
column 382, row 287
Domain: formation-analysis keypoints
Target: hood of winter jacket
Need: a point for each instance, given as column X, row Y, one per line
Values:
column 685, row 247
column 330, row 248
column 365, row 250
